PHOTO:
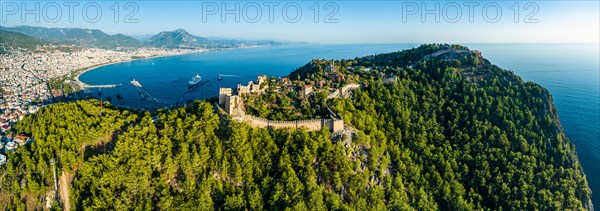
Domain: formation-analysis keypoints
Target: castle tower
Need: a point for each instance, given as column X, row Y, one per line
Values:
column 233, row 105
column 223, row 93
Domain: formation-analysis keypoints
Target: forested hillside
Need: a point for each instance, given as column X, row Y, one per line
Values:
column 451, row 134
column 77, row 37
column 18, row 40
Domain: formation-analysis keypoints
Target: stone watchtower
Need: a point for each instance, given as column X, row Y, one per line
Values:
column 224, row 92
column 232, row 104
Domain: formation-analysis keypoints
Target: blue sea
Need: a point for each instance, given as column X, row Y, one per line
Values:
column 571, row 72
column 166, row 78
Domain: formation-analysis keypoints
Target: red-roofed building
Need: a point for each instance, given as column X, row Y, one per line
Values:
column 5, row 127
column 285, row 80
column 21, row 139
column 307, row 90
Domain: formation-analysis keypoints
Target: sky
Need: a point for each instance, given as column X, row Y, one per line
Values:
column 319, row 21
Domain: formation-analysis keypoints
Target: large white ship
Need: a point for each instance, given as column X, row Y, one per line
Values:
column 195, row 80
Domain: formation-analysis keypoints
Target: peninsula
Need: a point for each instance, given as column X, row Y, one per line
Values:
column 428, row 128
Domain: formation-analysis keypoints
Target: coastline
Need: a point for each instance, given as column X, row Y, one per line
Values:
column 93, row 67
column 561, row 132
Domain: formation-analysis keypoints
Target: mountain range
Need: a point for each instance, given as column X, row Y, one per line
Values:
column 77, row 36
column 182, row 39
column 15, row 39
column 97, row 38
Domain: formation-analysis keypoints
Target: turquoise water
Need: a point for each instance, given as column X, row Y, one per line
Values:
column 570, row 72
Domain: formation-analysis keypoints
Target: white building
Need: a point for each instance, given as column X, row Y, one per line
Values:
column 3, row 159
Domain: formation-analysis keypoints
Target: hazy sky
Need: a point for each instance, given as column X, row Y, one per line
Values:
column 336, row 21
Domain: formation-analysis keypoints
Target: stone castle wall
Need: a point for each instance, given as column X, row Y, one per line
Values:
column 335, row 125
column 233, row 104
column 343, row 92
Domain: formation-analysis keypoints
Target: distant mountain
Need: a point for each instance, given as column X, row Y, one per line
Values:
column 77, row 36
column 96, row 38
column 15, row 39
column 178, row 38
column 141, row 37
column 182, row 39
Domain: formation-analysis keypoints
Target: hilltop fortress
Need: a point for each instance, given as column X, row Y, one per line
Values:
column 327, row 74
column 233, row 105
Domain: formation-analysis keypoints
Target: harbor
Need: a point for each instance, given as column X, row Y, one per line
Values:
column 195, row 83
column 144, row 95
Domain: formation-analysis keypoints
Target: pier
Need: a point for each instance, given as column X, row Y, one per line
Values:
column 88, row 86
column 145, row 95
column 102, row 86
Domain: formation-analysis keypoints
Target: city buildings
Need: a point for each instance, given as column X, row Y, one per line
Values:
column 25, row 76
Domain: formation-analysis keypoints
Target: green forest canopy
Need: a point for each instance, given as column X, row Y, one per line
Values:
column 439, row 138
